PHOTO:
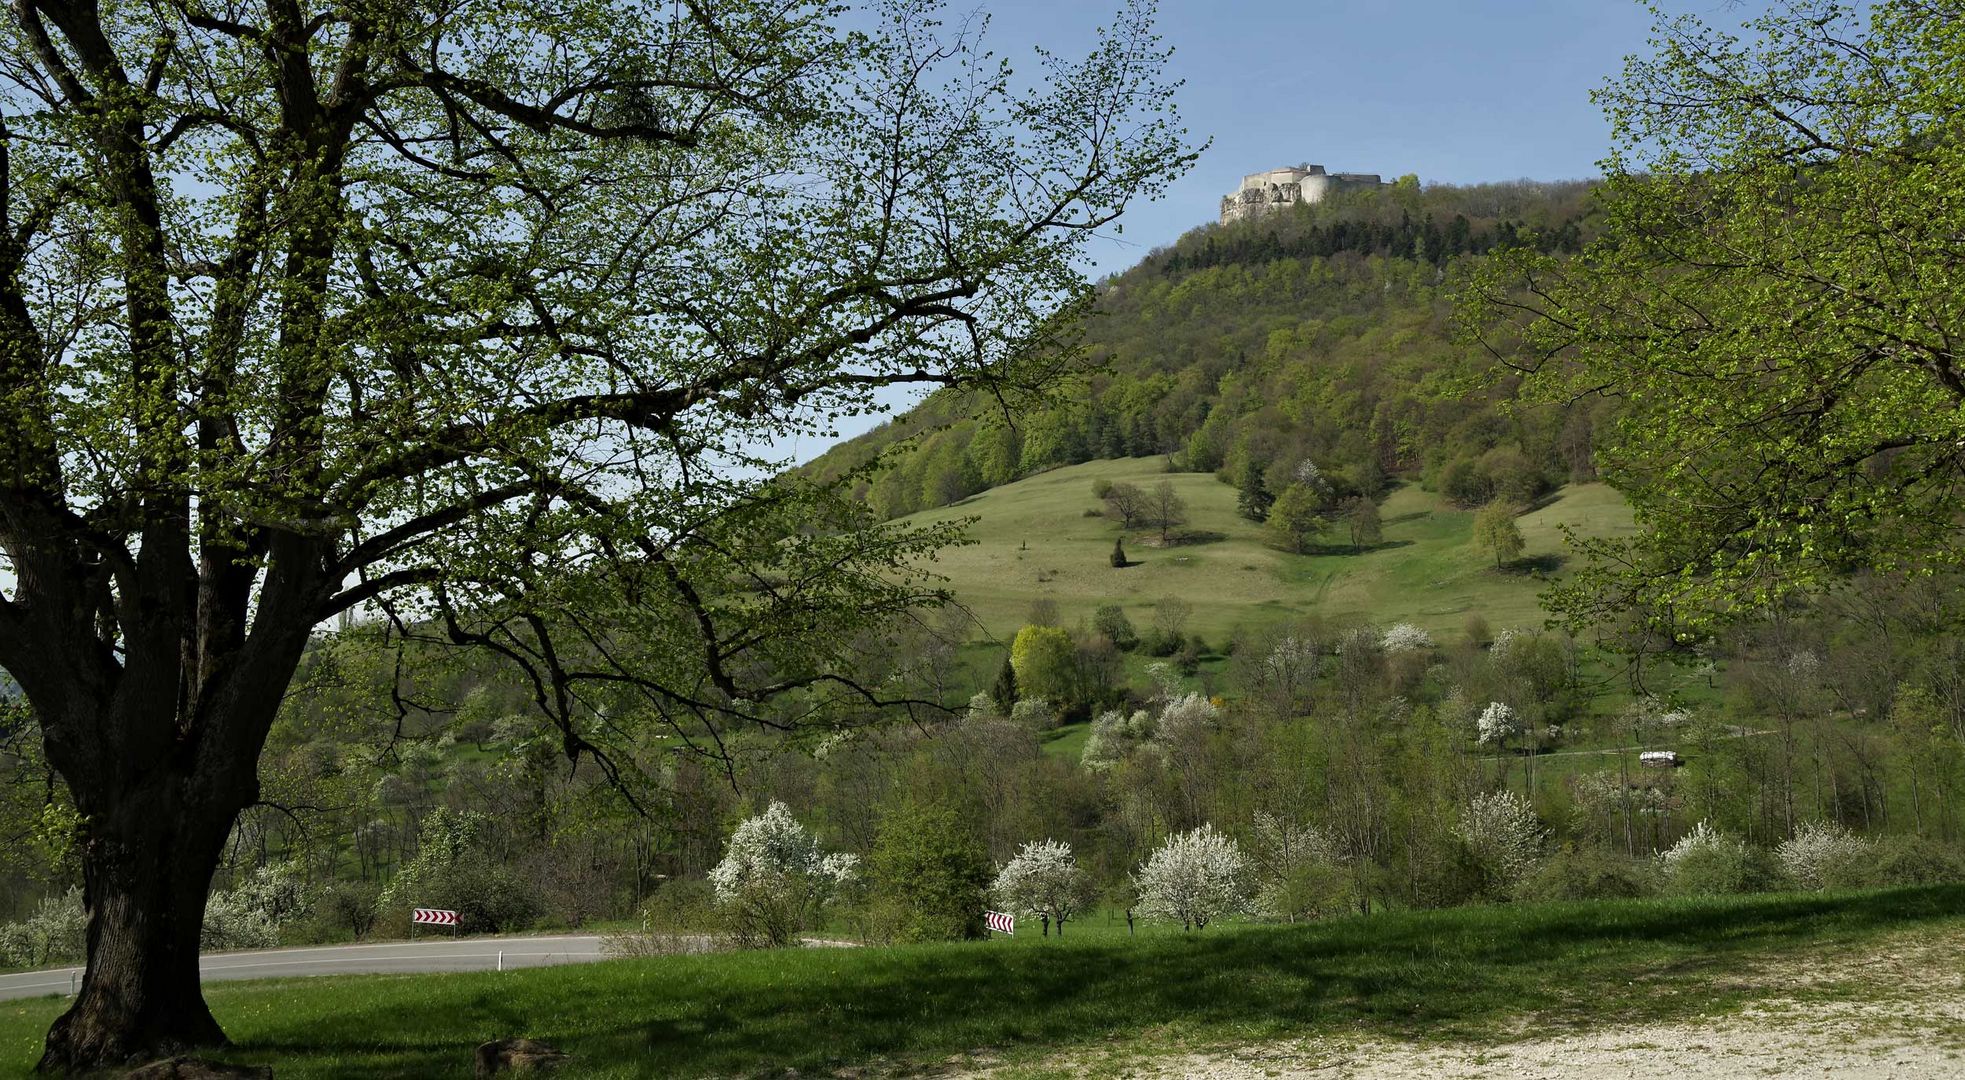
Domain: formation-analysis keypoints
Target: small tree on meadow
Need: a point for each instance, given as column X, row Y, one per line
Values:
column 1044, row 881
column 1167, row 510
column 1119, row 553
column 1361, row 517
column 1126, row 504
column 1111, row 620
column 1496, row 531
column 774, row 880
column 1194, row 878
column 1297, row 518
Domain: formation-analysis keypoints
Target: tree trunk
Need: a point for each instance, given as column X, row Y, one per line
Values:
column 147, row 864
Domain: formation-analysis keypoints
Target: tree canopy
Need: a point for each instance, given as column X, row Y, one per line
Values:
column 479, row 320
column 1772, row 304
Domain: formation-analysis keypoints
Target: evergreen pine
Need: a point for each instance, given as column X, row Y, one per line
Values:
column 1255, row 500
column 1119, row 553
column 1004, row 693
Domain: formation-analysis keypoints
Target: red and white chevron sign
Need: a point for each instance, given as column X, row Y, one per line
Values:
column 1000, row 922
column 434, row 916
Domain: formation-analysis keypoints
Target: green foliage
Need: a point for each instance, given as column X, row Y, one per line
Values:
column 1003, row 692
column 1111, row 620
column 1789, row 391
column 1119, row 554
column 1362, row 518
column 930, row 875
column 1583, row 872
column 1252, row 498
column 1297, row 518
column 455, row 869
column 1042, row 657
column 1292, row 342
column 1497, row 533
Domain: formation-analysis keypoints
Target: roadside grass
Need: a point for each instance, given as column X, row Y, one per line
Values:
column 1034, row 540
column 1480, row 974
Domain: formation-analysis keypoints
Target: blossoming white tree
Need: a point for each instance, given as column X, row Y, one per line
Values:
column 1043, row 880
column 774, row 880
column 1504, row 837
column 1497, row 724
column 1405, row 637
column 1194, row 878
column 1822, row 855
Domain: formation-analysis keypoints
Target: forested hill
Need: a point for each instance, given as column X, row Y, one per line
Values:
column 1322, row 333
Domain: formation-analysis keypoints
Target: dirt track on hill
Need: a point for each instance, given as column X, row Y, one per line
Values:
column 1890, row 1011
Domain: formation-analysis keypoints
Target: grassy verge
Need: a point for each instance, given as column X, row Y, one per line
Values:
column 1465, row 974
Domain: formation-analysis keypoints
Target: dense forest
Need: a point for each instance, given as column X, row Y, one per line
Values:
column 1320, row 333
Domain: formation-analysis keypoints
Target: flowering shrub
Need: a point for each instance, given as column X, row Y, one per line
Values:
column 1503, row 837
column 1823, row 855
column 1113, row 734
column 57, row 932
column 1034, row 714
column 1186, row 716
column 1193, row 879
column 773, row 880
column 1706, row 860
column 1497, row 724
column 1043, row 880
column 1405, row 637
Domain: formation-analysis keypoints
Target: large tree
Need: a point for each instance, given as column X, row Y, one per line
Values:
column 1772, row 306
column 468, row 315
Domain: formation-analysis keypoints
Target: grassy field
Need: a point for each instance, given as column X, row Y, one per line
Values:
column 1034, row 540
column 1478, row 974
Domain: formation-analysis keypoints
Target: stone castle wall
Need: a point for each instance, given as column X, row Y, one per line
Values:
column 1265, row 191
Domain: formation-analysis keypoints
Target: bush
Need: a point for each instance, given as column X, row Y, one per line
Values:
column 930, row 876
column 774, row 880
column 349, row 905
column 1195, row 878
column 1588, row 873
column 1111, row 620
column 680, row 917
column 1706, row 861
column 1913, row 860
column 1822, row 855
column 452, row 869
column 1503, row 838
column 56, row 933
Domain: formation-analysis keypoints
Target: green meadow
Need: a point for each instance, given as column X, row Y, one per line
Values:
column 1097, row 995
column 1034, row 540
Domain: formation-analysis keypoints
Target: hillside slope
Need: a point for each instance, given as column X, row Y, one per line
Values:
column 1033, row 540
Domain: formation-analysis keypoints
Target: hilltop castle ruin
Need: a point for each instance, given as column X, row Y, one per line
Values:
column 1265, row 191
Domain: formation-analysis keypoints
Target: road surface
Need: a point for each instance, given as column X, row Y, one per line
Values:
column 433, row 954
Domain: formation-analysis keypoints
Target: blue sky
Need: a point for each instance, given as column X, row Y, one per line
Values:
column 1457, row 91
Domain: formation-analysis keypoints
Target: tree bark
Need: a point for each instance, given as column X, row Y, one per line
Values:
column 147, row 866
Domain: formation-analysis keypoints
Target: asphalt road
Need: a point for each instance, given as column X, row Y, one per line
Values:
column 404, row 957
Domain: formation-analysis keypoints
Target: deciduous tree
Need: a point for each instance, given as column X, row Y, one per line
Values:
column 1771, row 304
column 462, row 316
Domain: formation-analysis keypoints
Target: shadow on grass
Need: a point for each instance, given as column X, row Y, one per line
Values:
column 1464, row 973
